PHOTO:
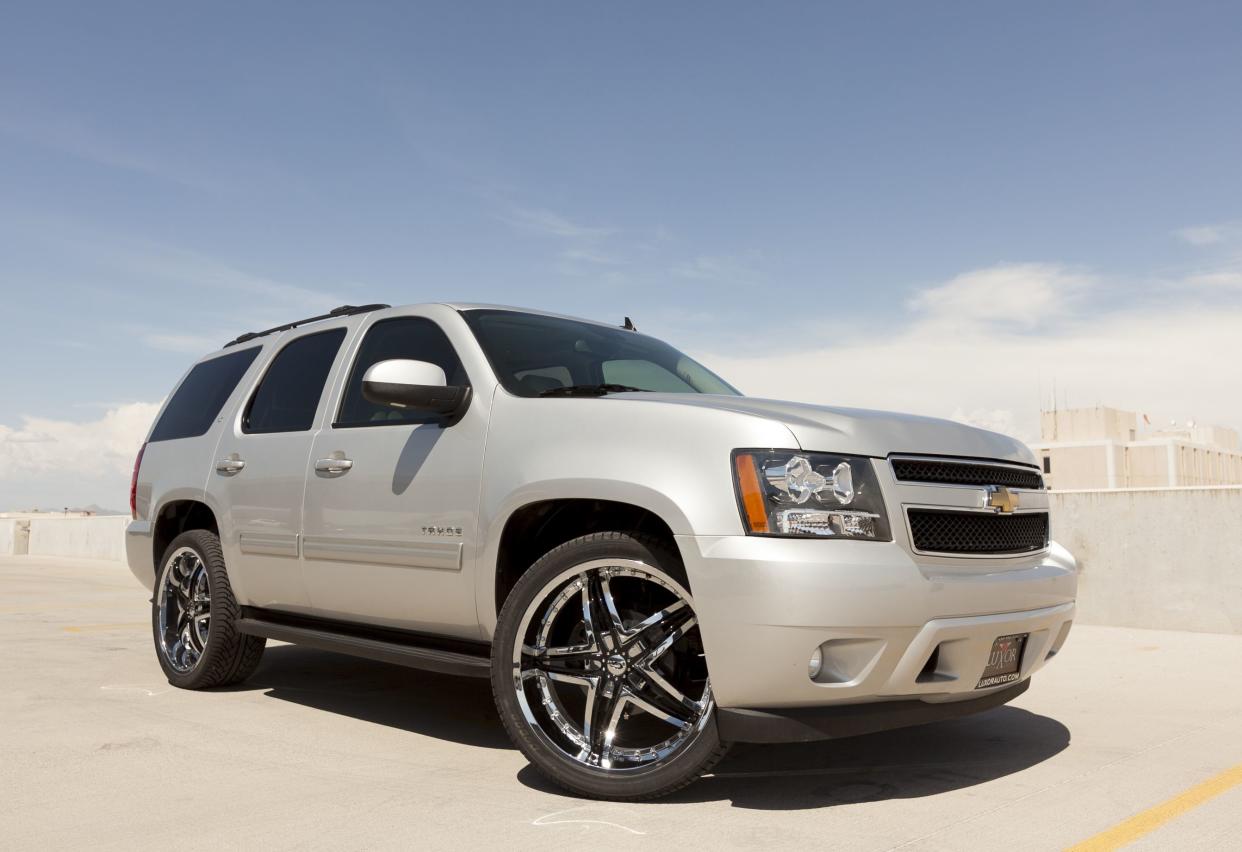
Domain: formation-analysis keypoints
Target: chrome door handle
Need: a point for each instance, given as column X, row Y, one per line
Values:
column 333, row 465
column 229, row 466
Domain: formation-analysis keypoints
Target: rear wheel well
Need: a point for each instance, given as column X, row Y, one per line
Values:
column 178, row 517
column 536, row 528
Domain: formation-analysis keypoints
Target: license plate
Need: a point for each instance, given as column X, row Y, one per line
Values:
column 1004, row 661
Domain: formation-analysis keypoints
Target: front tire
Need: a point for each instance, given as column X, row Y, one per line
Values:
column 598, row 670
column 194, row 617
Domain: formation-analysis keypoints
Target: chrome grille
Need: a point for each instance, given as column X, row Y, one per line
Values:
column 944, row 531
column 952, row 472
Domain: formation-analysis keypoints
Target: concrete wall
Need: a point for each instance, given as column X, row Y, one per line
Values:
column 14, row 535
column 99, row 537
column 1168, row 558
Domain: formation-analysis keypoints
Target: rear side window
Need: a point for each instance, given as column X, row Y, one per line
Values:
column 289, row 393
column 411, row 338
column 199, row 398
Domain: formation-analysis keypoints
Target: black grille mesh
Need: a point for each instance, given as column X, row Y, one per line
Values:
column 965, row 473
column 936, row 531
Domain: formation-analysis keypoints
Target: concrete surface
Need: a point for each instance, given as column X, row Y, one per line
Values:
column 321, row 751
column 1163, row 558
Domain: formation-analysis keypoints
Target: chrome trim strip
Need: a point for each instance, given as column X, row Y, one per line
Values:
column 436, row 555
column 268, row 544
column 1028, row 468
column 1023, row 468
column 1040, row 510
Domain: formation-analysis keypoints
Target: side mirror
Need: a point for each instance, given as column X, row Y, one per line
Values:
column 413, row 384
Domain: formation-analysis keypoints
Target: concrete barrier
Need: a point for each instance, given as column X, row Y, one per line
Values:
column 98, row 537
column 1167, row 558
column 14, row 536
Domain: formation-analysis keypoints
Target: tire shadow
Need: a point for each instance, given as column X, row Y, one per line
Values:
column 906, row 763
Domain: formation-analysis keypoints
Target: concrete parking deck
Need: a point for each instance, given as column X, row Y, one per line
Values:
column 1137, row 733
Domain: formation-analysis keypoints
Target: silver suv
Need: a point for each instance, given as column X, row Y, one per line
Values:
column 648, row 565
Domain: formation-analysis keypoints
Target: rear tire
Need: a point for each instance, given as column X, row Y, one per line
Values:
column 603, row 627
column 194, row 617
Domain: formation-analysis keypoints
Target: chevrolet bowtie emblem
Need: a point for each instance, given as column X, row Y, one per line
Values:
column 999, row 499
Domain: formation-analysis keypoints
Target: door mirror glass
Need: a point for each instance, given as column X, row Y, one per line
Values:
column 420, row 385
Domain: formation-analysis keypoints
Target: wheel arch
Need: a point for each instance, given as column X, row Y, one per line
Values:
column 176, row 517
column 534, row 527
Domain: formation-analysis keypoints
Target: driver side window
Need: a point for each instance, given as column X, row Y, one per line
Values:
column 412, row 338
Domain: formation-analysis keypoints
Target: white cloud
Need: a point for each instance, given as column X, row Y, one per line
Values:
column 962, row 360
column 1206, row 235
column 99, row 448
column 1221, row 279
column 178, row 266
column 194, row 344
column 551, row 224
column 69, row 135
column 724, row 268
column 1019, row 293
column 588, row 255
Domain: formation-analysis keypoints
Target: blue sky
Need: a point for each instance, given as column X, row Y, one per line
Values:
column 877, row 191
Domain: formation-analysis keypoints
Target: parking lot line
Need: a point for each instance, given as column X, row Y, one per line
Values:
column 1149, row 820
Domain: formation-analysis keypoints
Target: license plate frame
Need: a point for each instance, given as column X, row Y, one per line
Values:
column 1004, row 660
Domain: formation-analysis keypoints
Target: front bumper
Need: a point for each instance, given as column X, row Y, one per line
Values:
column 892, row 627
column 808, row 724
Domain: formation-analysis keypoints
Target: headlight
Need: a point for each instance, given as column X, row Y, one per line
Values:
column 809, row 495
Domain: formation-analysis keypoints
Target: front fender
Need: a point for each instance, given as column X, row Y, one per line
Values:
column 491, row 527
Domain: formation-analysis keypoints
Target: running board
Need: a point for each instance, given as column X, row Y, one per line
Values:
column 403, row 648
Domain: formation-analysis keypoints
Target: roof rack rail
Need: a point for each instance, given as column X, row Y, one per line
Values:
column 342, row 311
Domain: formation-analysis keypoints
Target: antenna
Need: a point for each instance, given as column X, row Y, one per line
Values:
column 629, row 325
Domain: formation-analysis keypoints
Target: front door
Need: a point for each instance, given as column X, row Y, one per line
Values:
column 259, row 471
column 391, row 496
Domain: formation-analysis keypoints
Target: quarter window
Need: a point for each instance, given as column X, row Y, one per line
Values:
column 288, row 396
column 409, row 338
column 201, row 395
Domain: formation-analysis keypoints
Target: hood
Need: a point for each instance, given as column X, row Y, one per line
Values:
column 858, row 431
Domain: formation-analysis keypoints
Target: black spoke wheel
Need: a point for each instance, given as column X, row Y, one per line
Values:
column 194, row 617
column 183, row 610
column 599, row 672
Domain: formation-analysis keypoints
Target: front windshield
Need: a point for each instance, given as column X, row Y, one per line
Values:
column 535, row 355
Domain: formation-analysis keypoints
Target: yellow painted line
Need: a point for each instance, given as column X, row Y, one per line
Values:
column 1149, row 820
column 83, row 628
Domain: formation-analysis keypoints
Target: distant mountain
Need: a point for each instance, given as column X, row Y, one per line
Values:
column 93, row 509
column 96, row 509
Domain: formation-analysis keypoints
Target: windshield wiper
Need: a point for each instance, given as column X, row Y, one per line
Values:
column 590, row 390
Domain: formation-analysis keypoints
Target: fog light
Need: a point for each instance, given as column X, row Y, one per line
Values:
column 816, row 663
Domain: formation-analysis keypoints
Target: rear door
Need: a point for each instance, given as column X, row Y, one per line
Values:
column 258, row 475
column 384, row 536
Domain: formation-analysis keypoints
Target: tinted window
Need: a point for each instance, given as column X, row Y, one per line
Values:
column 199, row 398
column 533, row 354
column 411, row 338
column 286, row 399
column 644, row 374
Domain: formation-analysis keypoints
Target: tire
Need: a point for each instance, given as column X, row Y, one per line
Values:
column 192, row 589
column 571, row 635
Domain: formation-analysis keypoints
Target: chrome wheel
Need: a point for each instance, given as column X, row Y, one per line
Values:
column 608, row 667
column 183, row 601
